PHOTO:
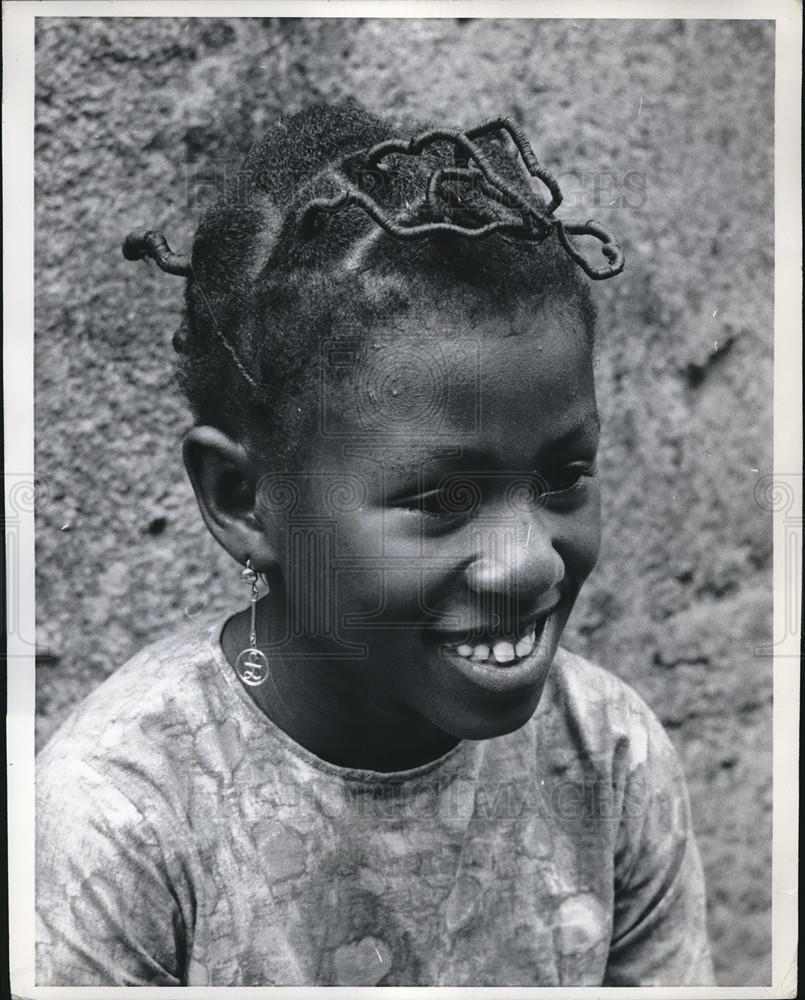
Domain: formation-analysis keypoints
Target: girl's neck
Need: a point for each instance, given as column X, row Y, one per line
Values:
column 317, row 703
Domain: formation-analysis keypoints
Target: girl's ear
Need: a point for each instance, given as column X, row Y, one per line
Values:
column 225, row 483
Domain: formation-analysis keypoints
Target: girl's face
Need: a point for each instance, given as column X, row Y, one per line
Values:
column 447, row 517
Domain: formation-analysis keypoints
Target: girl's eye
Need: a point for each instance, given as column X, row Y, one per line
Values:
column 429, row 503
column 567, row 480
column 459, row 498
column 456, row 497
column 445, row 503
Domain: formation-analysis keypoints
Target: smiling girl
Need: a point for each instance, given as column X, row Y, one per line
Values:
column 385, row 770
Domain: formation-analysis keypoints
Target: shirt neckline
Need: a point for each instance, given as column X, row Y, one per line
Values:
column 445, row 763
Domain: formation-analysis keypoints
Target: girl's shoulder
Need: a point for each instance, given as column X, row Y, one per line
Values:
column 598, row 716
column 581, row 681
column 165, row 691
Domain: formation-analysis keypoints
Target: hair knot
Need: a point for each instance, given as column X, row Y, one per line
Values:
column 523, row 216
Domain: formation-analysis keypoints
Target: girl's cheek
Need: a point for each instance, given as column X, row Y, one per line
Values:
column 584, row 542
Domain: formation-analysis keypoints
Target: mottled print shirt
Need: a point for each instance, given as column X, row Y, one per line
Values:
column 182, row 838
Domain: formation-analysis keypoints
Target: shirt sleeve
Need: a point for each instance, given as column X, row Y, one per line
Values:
column 106, row 912
column 659, row 930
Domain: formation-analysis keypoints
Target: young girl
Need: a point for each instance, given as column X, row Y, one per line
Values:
column 384, row 770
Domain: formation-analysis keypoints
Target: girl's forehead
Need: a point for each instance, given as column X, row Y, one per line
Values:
column 453, row 377
column 440, row 340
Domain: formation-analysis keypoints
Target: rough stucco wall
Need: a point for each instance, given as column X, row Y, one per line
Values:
column 129, row 115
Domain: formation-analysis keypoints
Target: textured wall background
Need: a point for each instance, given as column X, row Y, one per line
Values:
column 138, row 119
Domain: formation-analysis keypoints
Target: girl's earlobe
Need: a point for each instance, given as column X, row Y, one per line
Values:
column 224, row 480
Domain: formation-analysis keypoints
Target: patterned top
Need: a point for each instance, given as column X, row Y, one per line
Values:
column 183, row 838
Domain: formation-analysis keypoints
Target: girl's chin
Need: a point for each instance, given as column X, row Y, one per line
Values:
column 483, row 723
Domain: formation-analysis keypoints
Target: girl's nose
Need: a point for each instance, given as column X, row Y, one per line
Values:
column 518, row 558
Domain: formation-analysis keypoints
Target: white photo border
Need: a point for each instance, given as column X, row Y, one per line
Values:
column 20, row 484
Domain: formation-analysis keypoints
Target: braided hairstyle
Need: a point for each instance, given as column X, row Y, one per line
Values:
column 271, row 269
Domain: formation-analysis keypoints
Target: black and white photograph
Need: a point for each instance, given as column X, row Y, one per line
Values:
column 403, row 496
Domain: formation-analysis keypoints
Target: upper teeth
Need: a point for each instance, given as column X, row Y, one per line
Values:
column 503, row 651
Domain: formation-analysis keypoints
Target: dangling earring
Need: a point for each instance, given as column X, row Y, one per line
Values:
column 252, row 665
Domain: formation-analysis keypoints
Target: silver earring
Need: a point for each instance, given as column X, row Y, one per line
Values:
column 252, row 664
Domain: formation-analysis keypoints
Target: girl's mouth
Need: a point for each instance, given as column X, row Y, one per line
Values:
column 502, row 651
column 508, row 664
